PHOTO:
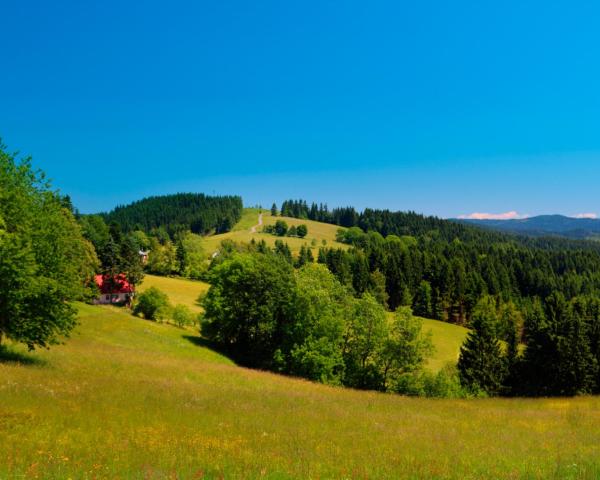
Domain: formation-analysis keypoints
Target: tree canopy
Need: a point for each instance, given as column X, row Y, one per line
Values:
column 45, row 262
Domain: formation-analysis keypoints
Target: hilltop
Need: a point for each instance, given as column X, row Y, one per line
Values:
column 319, row 234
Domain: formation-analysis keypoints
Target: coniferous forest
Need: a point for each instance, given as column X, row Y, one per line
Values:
column 193, row 212
column 540, row 293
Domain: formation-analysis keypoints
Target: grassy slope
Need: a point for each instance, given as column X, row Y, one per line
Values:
column 447, row 339
column 179, row 290
column 127, row 398
column 241, row 232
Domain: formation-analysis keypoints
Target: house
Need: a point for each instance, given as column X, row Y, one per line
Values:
column 144, row 256
column 117, row 291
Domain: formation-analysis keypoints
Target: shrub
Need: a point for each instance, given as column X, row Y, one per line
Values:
column 182, row 316
column 281, row 228
column 301, row 230
column 152, row 304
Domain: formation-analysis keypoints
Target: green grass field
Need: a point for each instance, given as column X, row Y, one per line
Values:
column 130, row 399
column 447, row 340
column 317, row 231
column 179, row 290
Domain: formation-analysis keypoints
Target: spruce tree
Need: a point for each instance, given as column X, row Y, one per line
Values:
column 481, row 365
column 423, row 300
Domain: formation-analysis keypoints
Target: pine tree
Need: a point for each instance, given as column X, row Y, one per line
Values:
column 423, row 300
column 181, row 256
column 322, row 257
column 304, row 257
column 274, row 210
column 481, row 365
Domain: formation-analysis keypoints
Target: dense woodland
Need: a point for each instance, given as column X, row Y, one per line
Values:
column 541, row 292
column 194, row 212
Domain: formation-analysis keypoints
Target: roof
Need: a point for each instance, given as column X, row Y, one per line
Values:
column 118, row 285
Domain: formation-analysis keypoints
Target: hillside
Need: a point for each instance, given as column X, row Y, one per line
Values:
column 179, row 290
column 242, row 232
column 553, row 225
column 127, row 398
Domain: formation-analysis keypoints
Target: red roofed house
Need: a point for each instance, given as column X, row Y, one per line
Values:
column 116, row 291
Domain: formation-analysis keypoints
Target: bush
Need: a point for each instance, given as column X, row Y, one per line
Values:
column 443, row 384
column 182, row 316
column 301, row 230
column 281, row 228
column 152, row 304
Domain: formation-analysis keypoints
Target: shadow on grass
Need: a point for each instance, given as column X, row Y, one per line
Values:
column 9, row 355
column 202, row 342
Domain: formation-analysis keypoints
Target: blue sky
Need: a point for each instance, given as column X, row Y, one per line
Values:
column 445, row 108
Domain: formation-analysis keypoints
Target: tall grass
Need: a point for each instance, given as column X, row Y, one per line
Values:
column 127, row 398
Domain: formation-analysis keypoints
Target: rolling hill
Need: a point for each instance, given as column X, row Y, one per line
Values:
column 128, row 398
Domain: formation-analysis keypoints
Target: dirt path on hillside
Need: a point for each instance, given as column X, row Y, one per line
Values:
column 260, row 222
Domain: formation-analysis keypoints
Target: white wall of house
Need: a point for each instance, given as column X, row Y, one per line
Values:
column 114, row 298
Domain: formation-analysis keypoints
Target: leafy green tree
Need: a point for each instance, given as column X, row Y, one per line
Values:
column 162, row 259
column 405, row 349
column 292, row 231
column 248, row 305
column 314, row 339
column 364, row 338
column 130, row 261
column 182, row 316
column 153, row 304
column 94, row 229
column 141, row 239
column 377, row 287
column 45, row 262
column 481, row 365
column 195, row 258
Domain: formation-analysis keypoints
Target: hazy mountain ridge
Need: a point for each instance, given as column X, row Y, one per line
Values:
column 543, row 225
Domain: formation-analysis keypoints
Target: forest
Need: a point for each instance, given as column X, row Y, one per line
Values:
column 193, row 212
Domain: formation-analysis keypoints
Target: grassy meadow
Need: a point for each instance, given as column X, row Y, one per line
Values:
column 125, row 398
column 447, row 340
column 317, row 232
column 179, row 290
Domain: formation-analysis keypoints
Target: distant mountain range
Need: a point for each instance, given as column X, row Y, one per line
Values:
column 544, row 225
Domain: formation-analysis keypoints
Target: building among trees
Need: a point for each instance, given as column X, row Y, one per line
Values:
column 115, row 290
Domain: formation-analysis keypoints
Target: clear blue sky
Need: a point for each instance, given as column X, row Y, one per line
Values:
column 445, row 108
